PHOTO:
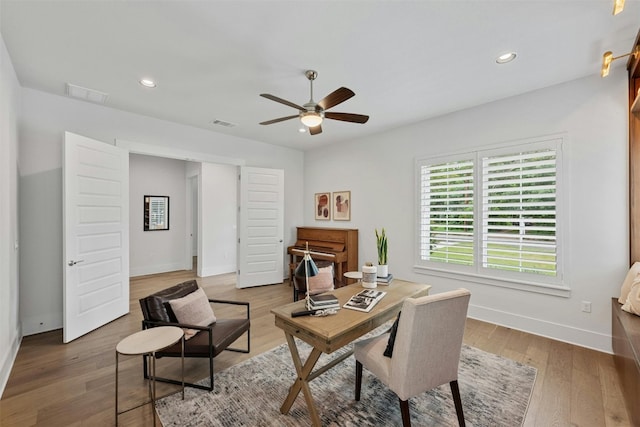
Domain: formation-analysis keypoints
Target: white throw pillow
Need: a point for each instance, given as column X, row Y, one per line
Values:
column 193, row 309
column 632, row 304
column 628, row 281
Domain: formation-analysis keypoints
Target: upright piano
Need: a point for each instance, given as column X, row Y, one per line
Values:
column 339, row 245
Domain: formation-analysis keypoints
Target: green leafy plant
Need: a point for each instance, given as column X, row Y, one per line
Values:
column 382, row 247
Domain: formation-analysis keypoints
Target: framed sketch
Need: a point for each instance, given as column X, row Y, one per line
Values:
column 322, row 208
column 156, row 213
column 341, row 205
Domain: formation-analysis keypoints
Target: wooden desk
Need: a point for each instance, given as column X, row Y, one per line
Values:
column 328, row 334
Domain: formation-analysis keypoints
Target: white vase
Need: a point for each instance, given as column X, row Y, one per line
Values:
column 383, row 270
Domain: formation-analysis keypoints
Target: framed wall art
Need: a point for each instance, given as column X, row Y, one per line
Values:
column 322, row 207
column 156, row 213
column 341, row 205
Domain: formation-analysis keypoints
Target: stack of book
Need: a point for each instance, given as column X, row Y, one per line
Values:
column 323, row 302
column 385, row 280
column 364, row 300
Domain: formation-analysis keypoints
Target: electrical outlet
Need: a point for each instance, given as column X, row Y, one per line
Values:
column 586, row 306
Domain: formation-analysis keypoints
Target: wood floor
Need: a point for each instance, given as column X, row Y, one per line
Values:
column 55, row 384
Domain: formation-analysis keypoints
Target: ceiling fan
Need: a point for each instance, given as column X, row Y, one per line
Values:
column 312, row 114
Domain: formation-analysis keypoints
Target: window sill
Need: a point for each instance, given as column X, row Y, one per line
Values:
column 535, row 287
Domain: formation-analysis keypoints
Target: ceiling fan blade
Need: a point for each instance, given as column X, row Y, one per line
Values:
column 315, row 130
column 281, row 119
column 282, row 101
column 347, row 117
column 335, row 98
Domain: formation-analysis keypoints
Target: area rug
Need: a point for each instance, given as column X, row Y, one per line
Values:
column 495, row 391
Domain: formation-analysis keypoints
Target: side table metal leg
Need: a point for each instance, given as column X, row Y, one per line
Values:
column 182, row 367
column 116, row 389
column 153, row 396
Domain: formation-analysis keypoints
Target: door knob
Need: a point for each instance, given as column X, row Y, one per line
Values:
column 72, row 262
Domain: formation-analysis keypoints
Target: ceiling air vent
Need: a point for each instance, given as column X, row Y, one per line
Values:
column 223, row 123
column 86, row 94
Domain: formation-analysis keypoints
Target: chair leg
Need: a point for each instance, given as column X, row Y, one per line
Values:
column 358, row 379
column 455, row 391
column 211, row 373
column 404, row 409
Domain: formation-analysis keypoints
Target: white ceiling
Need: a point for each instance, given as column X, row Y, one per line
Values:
column 405, row 60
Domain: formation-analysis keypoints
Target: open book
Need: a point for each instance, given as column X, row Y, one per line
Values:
column 364, row 300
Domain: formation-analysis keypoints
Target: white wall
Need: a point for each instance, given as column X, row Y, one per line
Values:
column 44, row 118
column 156, row 251
column 10, row 333
column 217, row 219
column 379, row 171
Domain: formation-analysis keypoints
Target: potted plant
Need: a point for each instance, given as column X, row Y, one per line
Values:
column 381, row 240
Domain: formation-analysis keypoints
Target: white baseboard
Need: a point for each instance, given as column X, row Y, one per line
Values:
column 218, row 269
column 37, row 324
column 555, row 331
column 155, row 269
column 8, row 359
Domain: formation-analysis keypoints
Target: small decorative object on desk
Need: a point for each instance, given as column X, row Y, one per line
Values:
column 364, row 300
column 385, row 280
column 323, row 302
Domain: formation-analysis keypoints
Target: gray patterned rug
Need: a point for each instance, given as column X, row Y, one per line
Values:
column 495, row 392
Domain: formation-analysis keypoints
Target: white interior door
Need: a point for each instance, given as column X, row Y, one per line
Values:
column 96, row 234
column 261, row 248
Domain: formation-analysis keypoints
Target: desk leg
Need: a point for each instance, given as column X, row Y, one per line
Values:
column 302, row 382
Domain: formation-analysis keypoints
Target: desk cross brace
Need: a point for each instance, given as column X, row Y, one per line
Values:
column 305, row 375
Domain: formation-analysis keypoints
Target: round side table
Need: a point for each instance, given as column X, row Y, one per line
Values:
column 357, row 275
column 146, row 343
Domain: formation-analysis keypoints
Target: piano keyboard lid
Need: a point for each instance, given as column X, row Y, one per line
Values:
column 319, row 246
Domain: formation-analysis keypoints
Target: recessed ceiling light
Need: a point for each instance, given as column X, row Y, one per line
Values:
column 302, row 130
column 506, row 57
column 148, row 83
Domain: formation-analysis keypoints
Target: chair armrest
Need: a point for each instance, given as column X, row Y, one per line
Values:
column 223, row 301
column 151, row 323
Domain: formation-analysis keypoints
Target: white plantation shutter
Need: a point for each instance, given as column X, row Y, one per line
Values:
column 447, row 225
column 494, row 214
column 519, row 212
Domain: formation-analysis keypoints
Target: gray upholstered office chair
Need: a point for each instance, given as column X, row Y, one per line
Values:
column 426, row 351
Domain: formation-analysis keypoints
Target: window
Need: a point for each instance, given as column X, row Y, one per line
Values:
column 447, row 225
column 493, row 213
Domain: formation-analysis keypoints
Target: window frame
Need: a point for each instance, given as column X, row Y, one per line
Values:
column 476, row 273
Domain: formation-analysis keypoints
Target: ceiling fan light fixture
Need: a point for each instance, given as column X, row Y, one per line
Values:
column 311, row 119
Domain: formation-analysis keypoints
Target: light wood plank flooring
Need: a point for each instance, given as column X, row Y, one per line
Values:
column 55, row 384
